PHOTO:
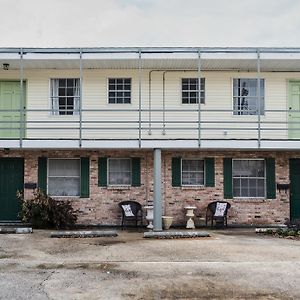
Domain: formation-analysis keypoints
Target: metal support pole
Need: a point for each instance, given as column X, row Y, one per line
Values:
column 164, row 103
column 258, row 100
column 199, row 98
column 157, row 204
column 140, row 98
column 22, row 119
column 80, row 98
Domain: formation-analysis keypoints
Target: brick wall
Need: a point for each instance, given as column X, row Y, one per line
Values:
column 101, row 207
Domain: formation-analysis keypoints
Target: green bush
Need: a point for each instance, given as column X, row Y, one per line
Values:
column 43, row 211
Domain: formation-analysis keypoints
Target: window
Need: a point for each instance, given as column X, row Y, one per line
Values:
column 192, row 172
column 189, row 87
column 65, row 96
column 119, row 171
column 249, row 178
column 245, row 97
column 64, row 177
column 119, row 90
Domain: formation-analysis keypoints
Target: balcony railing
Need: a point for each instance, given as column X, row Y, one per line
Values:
column 145, row 124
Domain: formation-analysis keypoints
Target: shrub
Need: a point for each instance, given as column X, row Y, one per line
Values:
column 42, row 211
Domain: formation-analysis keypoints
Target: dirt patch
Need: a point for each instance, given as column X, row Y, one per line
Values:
column 74, row 266
column 204, row 290
column 107, row 243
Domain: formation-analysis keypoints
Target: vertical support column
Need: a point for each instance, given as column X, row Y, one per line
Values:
column 258, row 100
column 164, row 103
column 199, row 98
column 22, row 119
column 157, row 209
column 140, row 98
column 80, row 98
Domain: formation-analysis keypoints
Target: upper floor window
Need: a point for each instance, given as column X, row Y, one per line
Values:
column 192, row 172
column 65, row 96
column 249, row 178
column 190, row 90
column 245, row 96
column 119, row 90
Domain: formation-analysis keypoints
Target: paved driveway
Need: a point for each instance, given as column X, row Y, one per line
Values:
column 231, row 264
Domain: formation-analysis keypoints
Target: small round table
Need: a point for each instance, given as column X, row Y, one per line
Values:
column 190, row 214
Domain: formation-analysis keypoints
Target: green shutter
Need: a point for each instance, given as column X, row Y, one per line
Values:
column 102, row 171
column 84, row 177
column 176, row 171
column 136, row 171
column 42, row 174
column 227, row 178
column 270, row 173
column 209, row 171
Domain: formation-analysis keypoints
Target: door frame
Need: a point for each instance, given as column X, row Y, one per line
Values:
column 22, row 159
column 290, row 176
column 24, row 99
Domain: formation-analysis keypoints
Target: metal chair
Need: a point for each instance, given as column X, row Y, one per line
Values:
column 211, row 213
column 131, row 211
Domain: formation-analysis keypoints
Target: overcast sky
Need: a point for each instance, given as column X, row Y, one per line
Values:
column 83, row 23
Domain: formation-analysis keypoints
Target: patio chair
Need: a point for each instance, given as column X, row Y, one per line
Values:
column 217, row 211
column 131, row 211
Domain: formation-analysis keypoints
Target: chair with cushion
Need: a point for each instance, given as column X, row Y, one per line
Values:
column 217, row 211
column 131, row 211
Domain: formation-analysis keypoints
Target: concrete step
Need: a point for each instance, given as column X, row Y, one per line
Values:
column 18, row 230
column 83, row 233
column 175, row 234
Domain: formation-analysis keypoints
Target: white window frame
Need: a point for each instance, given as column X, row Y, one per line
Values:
column 191, row 185
column 130, row 170
column 123, row 91
column 235, row 112
column 265, row 179
column 74, row 111
column 202, row 101
column 48, row 168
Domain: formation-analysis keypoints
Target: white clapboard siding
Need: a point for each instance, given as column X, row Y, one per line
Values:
column 124, row 124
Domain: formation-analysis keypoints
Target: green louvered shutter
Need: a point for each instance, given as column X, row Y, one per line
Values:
column 102, row 171
column 84, row 177
column 227, row 174
column 209, row 171
column 42, row 174
column 136, row 171
column 270, row 173
column 176, row 171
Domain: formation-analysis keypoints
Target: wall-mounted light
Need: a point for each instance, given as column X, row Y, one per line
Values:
column 5, row 66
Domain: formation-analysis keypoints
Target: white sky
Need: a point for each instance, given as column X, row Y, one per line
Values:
column 85, row 23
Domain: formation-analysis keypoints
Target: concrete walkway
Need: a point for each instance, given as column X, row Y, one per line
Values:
column 231, row 264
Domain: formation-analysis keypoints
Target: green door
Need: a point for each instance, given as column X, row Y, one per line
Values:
column 10, row 101
column 294, row 104
column 295, row 188
column 11, row 180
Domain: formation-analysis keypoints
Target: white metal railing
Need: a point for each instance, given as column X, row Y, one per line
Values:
column 164, row 125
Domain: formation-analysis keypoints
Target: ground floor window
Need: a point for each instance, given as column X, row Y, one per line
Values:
column 64, row 177
column 249, row 178
column 119, row 171
column 192, row 172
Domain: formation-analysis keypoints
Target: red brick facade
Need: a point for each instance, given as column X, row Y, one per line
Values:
column 101, row 207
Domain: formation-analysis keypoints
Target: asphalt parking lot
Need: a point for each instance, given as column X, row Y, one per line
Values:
column 231, row 264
